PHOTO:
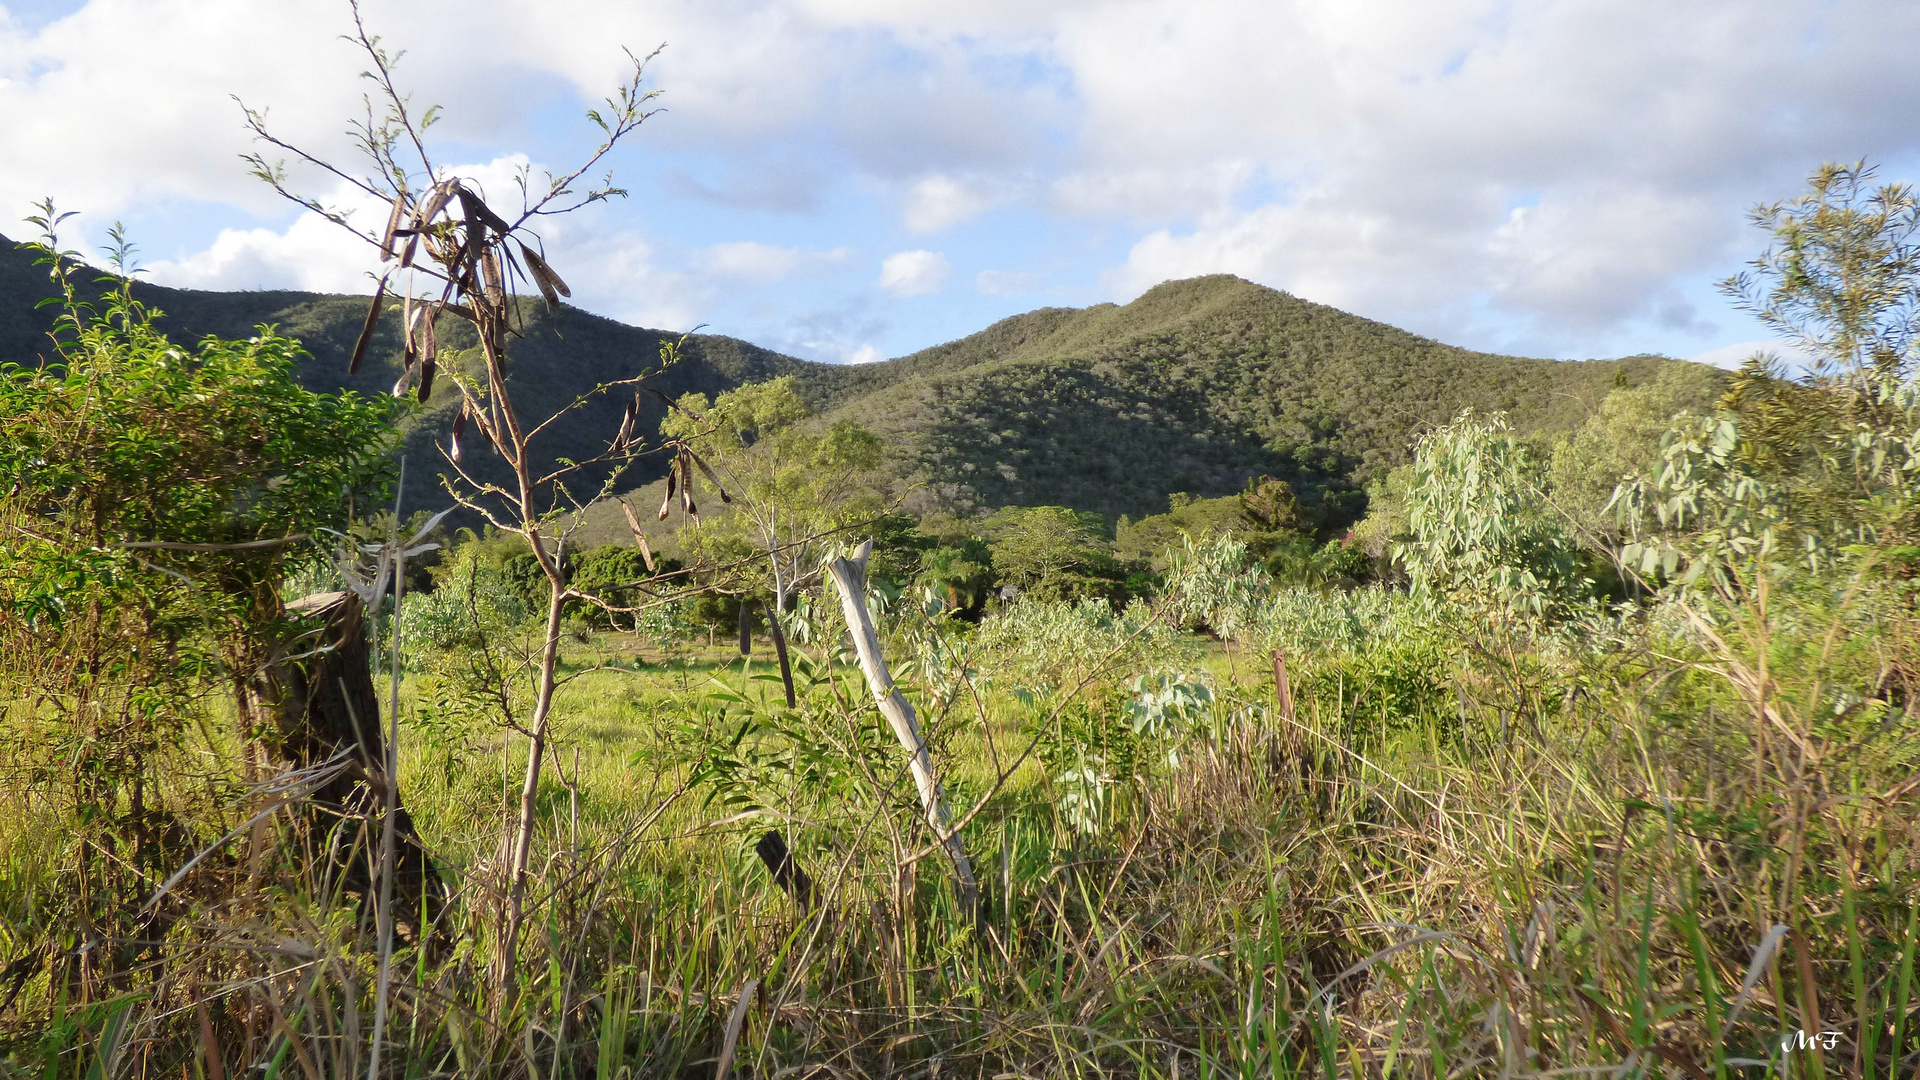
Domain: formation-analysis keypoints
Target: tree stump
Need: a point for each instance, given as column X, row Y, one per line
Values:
column 325, row 705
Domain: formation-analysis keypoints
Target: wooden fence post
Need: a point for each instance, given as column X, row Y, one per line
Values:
column 850, row 574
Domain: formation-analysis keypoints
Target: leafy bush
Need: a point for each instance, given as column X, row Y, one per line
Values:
column 1482, row 529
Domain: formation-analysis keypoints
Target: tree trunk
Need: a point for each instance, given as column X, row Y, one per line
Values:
column 530, row 785
column 851, row 577
column 324, row 703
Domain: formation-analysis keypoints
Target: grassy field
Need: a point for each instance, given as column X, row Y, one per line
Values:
column 1472, row 846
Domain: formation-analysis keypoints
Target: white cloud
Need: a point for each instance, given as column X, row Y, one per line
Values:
column 914, row 273
column 866, row 354
column 1732, row 356
column 1562, row 171
column 314, row 253
column 765, row 264
column 937, row 203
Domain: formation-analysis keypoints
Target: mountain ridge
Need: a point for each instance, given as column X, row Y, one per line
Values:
column 1195, row 386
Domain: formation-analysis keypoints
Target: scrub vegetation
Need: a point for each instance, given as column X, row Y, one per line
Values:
column 1525, row 733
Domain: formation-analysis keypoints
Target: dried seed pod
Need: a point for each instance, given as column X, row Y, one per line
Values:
column 435, row 202
column 409, row 325
column 676, row 406
column 717, row 486
column 406, row 378
column 393, row 226
column 626, row 425
column 459, row 427
column 486, row 430
column 490, row 271
column 549, row 283
column 476, row 209
column 639, row 536
column 476, row 237
column 673, row 473
column 366, row 328
column 426, row 378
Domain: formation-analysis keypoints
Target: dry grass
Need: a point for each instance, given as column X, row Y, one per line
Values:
column 1586, row 891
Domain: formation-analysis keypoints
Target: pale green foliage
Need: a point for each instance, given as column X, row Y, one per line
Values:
column 1799, row 476
column 1265, row 516
column 1095, row 755
column 1386, row 522
column 474, row 600
column 1214, row 581
column 1483, row 531
column 790, row 482
column 1716, row 512
column 1164, row 706
column 1044, row 644
column 1368, row 660
column 1842, row 277
column 1622, row 439
column 1051, row 552
column 1340, row 622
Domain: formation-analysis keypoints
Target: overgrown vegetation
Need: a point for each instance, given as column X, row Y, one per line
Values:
column 1589, row 751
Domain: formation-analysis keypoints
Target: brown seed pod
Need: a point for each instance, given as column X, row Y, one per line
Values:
column 676, row 406
column 717, row 486
column 626, row 425
column 549, row 283
column 409, row 325
column 490, row 270
column 459, row 427
column 476, row 209
column 366, row 328
column 673, row 473
column 426, row 378
column 435, row 202
column 639, row 536
column 686, row 487
column 393, row 225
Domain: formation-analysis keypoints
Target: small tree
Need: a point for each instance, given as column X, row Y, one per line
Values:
column 448, row 253
column 1841, row 279
column 791, row 483
column 1051, row 551
column 1481, row 527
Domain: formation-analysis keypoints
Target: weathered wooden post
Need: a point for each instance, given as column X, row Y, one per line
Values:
column 850, row 575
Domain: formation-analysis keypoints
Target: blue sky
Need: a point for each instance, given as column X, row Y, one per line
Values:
column 853, row 179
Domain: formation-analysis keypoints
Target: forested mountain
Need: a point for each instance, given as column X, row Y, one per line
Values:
column 1196, row 386
column 565, row 352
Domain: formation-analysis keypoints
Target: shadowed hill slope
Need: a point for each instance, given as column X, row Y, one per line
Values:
column 565, row 353
column 1196, row 386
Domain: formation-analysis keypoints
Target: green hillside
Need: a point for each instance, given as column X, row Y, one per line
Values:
column 1196, row 386
column 566, row 351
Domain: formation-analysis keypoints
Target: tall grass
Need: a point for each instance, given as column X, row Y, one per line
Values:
column 1474, row 848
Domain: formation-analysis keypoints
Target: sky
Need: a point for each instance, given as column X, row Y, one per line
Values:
column 849, row 180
